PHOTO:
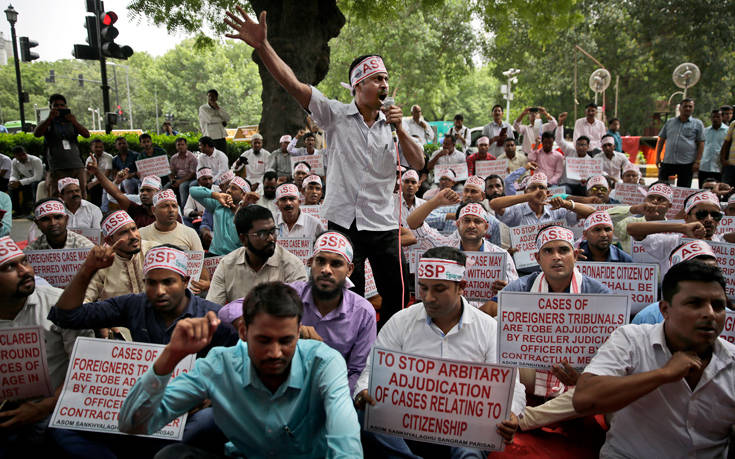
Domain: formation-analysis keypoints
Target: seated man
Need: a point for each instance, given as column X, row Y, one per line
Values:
column 598, row 240
column 193, row 210
column 259, row 259
column 166, row 229
column 483, row 145
column 313, row 190
column 301, row 170
column 273, row 394
column 598, row 192
column 656, row 204
column 23, row 303
column 27, row 172
column 669, row 385
column 290, row 220
column 50, row 218
column 82, row 213
column 443, row 326
column 448, row 154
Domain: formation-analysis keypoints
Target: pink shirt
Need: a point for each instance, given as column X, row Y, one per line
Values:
column 551, row 164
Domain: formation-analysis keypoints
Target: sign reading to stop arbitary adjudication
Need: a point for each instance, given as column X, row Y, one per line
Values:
column 100, row 375
column 637, row 280
column 538, row 330
column 439, row 401
column 23, row 367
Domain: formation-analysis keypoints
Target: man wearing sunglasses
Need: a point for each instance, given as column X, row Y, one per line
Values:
column 259, row 259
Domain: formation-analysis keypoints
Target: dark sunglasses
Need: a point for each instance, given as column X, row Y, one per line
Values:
column 702, row 214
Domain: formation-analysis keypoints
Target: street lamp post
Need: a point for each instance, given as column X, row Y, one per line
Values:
column 12, row 17
column 508, row 93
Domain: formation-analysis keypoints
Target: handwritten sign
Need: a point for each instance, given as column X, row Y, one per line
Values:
column 630, row 194
column 57, row 266
column 23, row 366
column 725, row 260
column 497, row 167
column 482, row 269
column 523, row 238
column 680, row 195
column 439, row 401
column 582, row 168
column 538, row 330
column 210, row 264
column 315, row 162
column 316, row 212
column 637, row 280
column 156, row 165
column 100, row 376
column 299, row 246
column 728, row 333
column 459, row 169
column 726, row 225
column 194, row 265
column 371, row 289
column 93, row 234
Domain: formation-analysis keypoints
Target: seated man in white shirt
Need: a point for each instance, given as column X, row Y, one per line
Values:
column 671, row 386
column 613, row 161
column 290, row 221
column 432, row 329
column 447, row 155
column 82, row 213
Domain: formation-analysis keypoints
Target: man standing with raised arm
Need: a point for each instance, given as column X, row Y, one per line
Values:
column 362, row 158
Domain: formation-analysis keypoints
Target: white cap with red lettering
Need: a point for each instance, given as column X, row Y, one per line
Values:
column 597, row 180
column 287, row 190
column 204, row 172
column 312, row 179
column 50, row 207
column 538, row 177
column 8, row 250
column 163, row 196
column 690, row 250
column 701, row 198
column 440, row 269
column 661, row 189
column 597, row 218
column 226, row 176
column 410, row 175
column 554, row 233
column 301, row 167
column 475, row 182
column 368, row 67
column 473, row 209
column 114, row 222
column 66, row 181
column 240, row 183
column 151, row 181
column 165, row 258
column 334, row 242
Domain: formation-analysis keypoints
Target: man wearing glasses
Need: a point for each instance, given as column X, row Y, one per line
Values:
column 259, row 259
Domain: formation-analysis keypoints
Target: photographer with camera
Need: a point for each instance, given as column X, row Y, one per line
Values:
column 532, row 132
column 60, row 132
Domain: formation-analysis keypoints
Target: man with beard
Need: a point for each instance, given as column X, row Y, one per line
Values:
column 516, row 159
column 24, row 304
column 290, row 221
column 598, row 235
column 268, row 199
column 313, row 190
column 50, row 217
column 193, row 210
column 259, row 259
column 183, row 169
column 280, row 162
column 223, row 207
column 82, row 213
column 253, row 160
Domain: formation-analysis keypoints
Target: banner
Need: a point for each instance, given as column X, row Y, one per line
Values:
column 210, row 264
column 100, row 375
column 637, row 280
column 582, row 168
column 490, row 167
column 156, row 165
column 725, row 260
column 23, row 366
column 538, row 330
column 726, row 225
column 194, row 265
column 315, row 162
column 93, row 234
column 680, row 194
column 299, row 246
column 57, row 266
column 728, row 333
column 523, row 238
column 630, row 194
column 459, row 169
column 316, row 212
column 439, row 401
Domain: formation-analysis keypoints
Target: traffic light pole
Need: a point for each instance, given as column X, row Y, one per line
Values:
column 17, row 79
column 105, row 94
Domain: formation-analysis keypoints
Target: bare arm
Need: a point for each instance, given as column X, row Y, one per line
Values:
column 98, row 258
column 659, row 146
column 498, row 204
column 407, row 237
column 639, row 230
column 443, row 198
column 412, row 151
column 110, row 187
column 432, row 161
column 724, row 151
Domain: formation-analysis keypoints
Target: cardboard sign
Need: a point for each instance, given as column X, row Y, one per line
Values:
column 439, row 401
column 497, row 167
column 316, row 212
column 637, row 280
column 371, row 289
column 194, row 265
column 728, row 333
column 57, row 266
column 680, row 194
column 538, row 330
column 156, row 165
column 524, row 239
column 460, row 170
column 726, row 225
column 100, row 375
column 299, row 246
column 582, row 168
column 630, row 194
column 210, row 264
column 23, row 366
column 482, row 269
column 414, row 255
column 725, row 260
column 93, row 234
column 315, row 161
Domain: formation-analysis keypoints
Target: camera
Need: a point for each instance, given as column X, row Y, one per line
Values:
column 533, row 109
column 243, row 159
column 63, row 112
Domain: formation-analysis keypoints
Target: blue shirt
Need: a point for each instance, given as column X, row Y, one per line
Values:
column 681, row 139
column 118, row 164
column 614, row 255
column 207, row 220
column 525, row 283
column 651, row 314
column 618, row 140
column 522, row 214
column 135, row 312
column 310, row 415
column 510, row 181
column 224, row 238
column 713, row 140
column 437, row 219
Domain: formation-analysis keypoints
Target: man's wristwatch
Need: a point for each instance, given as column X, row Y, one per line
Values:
column 359, row 399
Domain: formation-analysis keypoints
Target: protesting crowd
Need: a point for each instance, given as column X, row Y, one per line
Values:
column 346, row 295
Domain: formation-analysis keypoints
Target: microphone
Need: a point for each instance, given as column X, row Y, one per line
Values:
column 388, row 102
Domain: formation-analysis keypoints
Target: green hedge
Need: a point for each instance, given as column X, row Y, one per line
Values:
column 34, row 145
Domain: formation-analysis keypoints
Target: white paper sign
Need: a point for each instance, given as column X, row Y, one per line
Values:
column 194, row 265
column 725, row 260
column 23, row 366
column 630, row 194
column 481, row 270
column 101, row 374
column 93, row 234
column 210, row 264
column 523, row 238
column 156, row 165
column 57, row 266
column 414, row 255
column 316, row 212
column 439, row 401
column 299, row 246
column 490, row 167
column 371, row 289
column 728, row 333
column 582, row 168
column 315, row 162
column 538, row 330
column 459, row 169
column 680, row 195
column 726, row 225
column 637, row 280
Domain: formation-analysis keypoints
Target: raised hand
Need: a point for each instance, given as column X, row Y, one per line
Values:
column 224, row 199
column 92, row 165
column 446, row 197
column 562, row 117
column 101, row 256
column 695, row 230
column 253, row 33
column 307, row 332
column 193, row 334
column 679, row 366
column 565, row 373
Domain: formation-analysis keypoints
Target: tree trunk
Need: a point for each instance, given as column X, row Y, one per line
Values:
column 299, row 31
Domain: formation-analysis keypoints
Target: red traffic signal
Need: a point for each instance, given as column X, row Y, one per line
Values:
column 109, row 18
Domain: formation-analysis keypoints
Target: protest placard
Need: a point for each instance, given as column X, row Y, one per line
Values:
column 538, row 330
column 582, row 168
column 630, row 194
column 483, row 268
column 725, row 260
column 637, row 280
column 299, row 246
column 439, row 401
column 23, row 366
column 371, row 289
column 523, row 238
column 194, row 265
column 93, row 234
column 553, row 190
column 210, row 264
column 490, row 167
column 728, row 332
column 57, row 266
column 459, row 169
column 156, row 165
column 680, row 194
column 726, row 225
column 315, row 162
column 100, row 376
column 316, row 212
column 414, row 255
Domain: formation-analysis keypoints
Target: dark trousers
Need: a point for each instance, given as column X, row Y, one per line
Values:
column 728, row 176
column 220, row 144
column 704, row 175
column 4, row 184
column 381, row 248
column 27, row 192
column 683, row 174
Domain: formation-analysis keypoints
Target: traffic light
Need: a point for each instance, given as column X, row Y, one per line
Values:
column 92, row 50
column 51, row 78
column 108, row 33
column 25, row 50
column 81, row 80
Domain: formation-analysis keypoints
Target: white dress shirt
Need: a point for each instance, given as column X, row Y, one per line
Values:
column 306, row 226
column 594, row 131
column 210, row 121
column 455, row 157
column 257, row 163
column 532, row 132
column 28, row 172
column 660, row 245
column 87, row 216
column 614, row 166
column 218, row 162
column 425, row 135
column 405, row 210
column 6, row 164
column 491, row 130
column 672, row 421
column 473, row 339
